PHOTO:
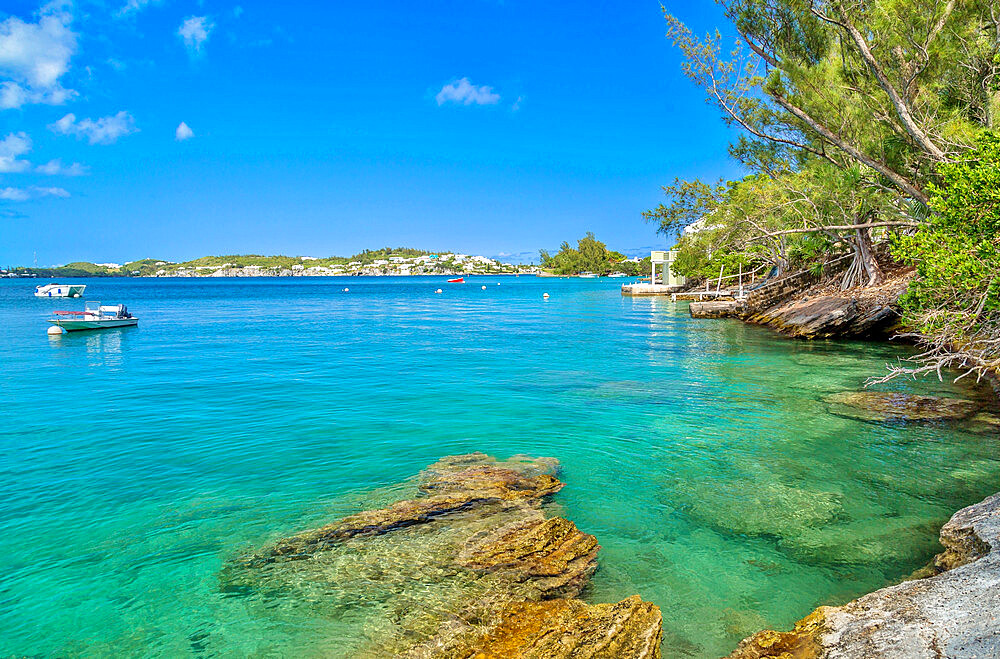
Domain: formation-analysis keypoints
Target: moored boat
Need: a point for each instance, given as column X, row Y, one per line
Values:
column 60, row 290
column 94, row 316
column 459, row 280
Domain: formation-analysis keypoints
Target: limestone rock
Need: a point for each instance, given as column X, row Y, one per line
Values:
column 828, row 316
column 470, row 568
column 888, row 406
column 522, row 464
column 746, row 507
column 970, row 534
column 492, row 483
column 564, row 629
column 875, row 541
column 952, row 614
column 553, row 552
column 800, row 643
column 985, row 422
column 449, row 492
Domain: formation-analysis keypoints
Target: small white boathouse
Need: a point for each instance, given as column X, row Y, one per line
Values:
column 662, row 280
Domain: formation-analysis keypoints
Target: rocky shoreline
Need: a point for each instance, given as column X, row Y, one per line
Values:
column 484, row 531
column 823, row 311
column 950, row 609
column 480, row 533
column 953, row 613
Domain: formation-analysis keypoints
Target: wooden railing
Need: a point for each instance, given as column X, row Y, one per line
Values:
column 718, row 280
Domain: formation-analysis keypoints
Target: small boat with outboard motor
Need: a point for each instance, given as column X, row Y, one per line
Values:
column 94, row 316
column 60, row 290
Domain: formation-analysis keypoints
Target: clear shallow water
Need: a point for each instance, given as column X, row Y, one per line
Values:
column 135, row 463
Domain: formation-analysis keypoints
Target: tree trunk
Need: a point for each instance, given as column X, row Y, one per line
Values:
column 866, row 256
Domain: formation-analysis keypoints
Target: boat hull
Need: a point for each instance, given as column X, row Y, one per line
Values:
column 62, row 291
column 78, row 325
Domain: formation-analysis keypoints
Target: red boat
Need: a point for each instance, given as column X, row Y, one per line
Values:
column 460, row 280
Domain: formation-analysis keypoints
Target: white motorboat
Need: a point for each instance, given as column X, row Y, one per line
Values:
column 94, row 316
column 60, row 290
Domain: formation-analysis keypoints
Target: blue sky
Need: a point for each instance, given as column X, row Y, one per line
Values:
column 326, row 128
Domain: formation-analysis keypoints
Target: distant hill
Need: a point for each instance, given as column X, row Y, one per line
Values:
column 387, row 260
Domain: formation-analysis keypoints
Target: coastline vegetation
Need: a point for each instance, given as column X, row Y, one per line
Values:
column 866, row 133
column 589, row 256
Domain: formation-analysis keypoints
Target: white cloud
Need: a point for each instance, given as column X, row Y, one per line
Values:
column 12, row 146
column 24, row 194
column 56, row 168
column 517, row 104
column 194, row 32
column 183, row 132
column 34, row 56
column 49, row 192
column 464, row 92
column 105, row 130
column 133, row 6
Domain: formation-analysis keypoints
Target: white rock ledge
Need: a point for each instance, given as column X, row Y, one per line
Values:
column 954, row 614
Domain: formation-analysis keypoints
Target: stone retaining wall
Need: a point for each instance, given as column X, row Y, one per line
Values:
column 777, row 291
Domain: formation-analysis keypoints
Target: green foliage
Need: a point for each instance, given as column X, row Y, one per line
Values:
column 957, row 255
column 590, row 255
column 743, row 228
column 687, row 203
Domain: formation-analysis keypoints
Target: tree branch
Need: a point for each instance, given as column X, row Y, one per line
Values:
column 902, row 107
column 901, row 181
column 843, row 227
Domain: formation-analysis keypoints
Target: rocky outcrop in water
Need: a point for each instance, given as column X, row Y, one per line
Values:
column 824, row 311
column 951, row 614
column 891, row 406
column 829, row 316
column 553, row 552
column 565, row 629
column 470, row 566
column 450, row 491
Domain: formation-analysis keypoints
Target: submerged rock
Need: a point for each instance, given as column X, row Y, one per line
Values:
column 745, row 507
column 875, row 541
column 558, row 556
column 952, row 614
column 985, row 422
column 889, row 406
column 473, row 565
column 451, row 487
column 564, row 629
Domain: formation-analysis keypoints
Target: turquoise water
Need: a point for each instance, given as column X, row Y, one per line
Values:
column 135, row 463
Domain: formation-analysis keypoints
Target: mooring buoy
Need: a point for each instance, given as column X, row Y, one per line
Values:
column 54, row 330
